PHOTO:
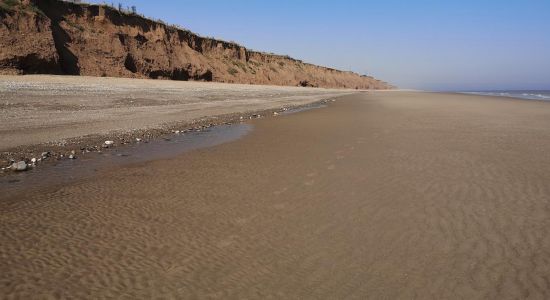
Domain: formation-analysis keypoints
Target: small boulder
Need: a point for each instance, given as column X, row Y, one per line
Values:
column 19, row 166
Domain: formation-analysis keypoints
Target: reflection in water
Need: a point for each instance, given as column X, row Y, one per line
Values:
column 87, row 164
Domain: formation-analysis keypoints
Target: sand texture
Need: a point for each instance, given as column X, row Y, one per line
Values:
column 378, row 196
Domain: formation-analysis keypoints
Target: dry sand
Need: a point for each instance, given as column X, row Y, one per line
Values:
column 37, row 109
column 381, row 196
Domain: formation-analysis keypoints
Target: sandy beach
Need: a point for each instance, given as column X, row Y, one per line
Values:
column 38, row 109
column 380, row 195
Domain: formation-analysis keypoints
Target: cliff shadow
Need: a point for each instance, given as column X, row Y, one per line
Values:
column 67, row 59
column 32, row 64
column 54, row 10
column 181, row 74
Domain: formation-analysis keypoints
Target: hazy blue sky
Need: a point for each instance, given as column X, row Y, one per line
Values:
column 438, row 44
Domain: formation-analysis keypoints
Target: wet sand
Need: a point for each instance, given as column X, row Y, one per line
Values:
column 380, row 195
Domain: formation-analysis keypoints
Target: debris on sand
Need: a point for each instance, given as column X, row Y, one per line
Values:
column 107, row 144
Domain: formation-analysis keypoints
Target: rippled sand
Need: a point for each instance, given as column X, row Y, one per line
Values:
column 381, row 195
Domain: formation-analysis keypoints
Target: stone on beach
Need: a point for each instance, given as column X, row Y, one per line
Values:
column 19, row 166
column 107, row 144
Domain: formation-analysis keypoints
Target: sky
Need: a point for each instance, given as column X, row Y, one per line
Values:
column 419, row 44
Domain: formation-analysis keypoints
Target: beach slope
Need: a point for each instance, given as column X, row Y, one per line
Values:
column 37, row 109
column 382, row 195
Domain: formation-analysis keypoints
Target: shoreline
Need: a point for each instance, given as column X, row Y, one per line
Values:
column 58, row 169
column 532, row 95
column 95, row 143
column 79, row 114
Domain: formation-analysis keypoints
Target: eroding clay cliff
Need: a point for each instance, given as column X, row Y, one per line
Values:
column 26, row 43
column 56, row 37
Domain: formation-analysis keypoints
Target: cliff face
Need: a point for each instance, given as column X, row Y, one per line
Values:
column 26, row 43
column 56, row 37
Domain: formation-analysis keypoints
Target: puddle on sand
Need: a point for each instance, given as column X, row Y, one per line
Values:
column 85, row 165
column 304, row 108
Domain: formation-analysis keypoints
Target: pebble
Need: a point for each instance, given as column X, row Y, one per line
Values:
column 138, row 140
column 108, row 143
column 19, row 166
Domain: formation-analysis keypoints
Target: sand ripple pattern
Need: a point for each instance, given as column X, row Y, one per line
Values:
column 380, row 196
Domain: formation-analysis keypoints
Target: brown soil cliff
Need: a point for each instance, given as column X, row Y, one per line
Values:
column 57, row 37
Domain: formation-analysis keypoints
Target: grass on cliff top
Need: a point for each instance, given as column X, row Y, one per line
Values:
column 9, row 4
column 14, row 5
